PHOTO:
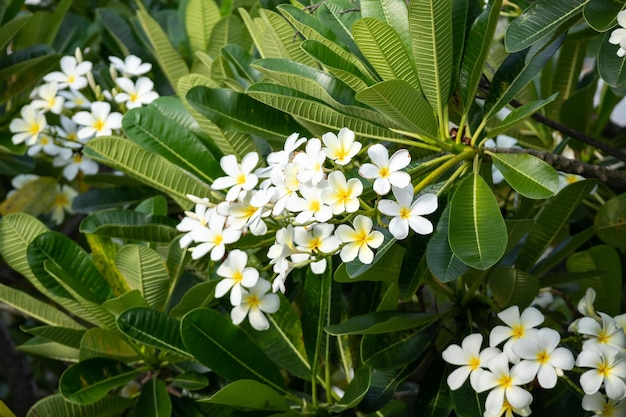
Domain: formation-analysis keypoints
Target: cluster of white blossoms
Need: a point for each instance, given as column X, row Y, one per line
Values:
column 618, row 36
column 69, row 109
column 520, row 356
column 304, row 196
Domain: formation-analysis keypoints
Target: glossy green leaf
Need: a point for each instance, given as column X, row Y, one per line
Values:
column 103, row 252
column 604, row 262
column 99, row 342
column 476, row 230
column 200, row 18
column 129, row 224
column 611, row 67
column 200, row 295
column 394, row 13
column 610, row 222
column 149, row 168
column 397, row 349
column 145, row 270
column 527, row 174
column 130, row 299
column 560, row 253
column 565, row 78
column 279, row 40
column 42, row 27
column 241, row 60
column 540, row 20
column 55, row 405
column 11, row 28
column 23, row 76
column 385, row 50
column 340, row 16
column 467, row 402
column 316, row 314
column 513, row 287
column 519, row 114
column 155, row 132
column 78, row 269
column 550, row 221
column 431, row 30
column 383, row 385
column 380, row 322
column 216, row 342
column 283, row 341
column 49, row 349
column 233, row 111
column 517, row 71
column 433, row 399
column 229, row 30
column 36, row 309
column 601, row 14
column 249, row 394
column 191, row 381
column 152, row 328
column 92, row 379
column 63, row 335
column 154, row 400
column 106, row 198
column 168, row 58
column 477, row 50
column 442, row 262
column 355, row 391
column 402, row 104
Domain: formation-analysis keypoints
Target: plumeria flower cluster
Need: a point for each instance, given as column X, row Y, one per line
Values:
column 69, row 109
column 522, row 356
column 302, row 194
column 618, row 36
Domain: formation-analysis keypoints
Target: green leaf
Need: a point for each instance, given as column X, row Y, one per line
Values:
column 565, row 78
column 154, row 400
column 78, row 270
column 394, row 13
column 610, row 222
column 434, row 399
column 601, row 14
column 97, row 343
column 42, row 27
column 477, row 51
column 316, row 314
column 560, row 253
column 280, row 40
column 149, row 168
column 385, row 51
column 607, row 280
column 476, row 230
column 48, row 349
column 527, row 174
column 125, row 301
column 394, row 350
column 191, row 381
column 340, row 17
column 152, row 328
column 383, row 385
column 385, row 266
column 35, row 197
column 129, row 224
column 467, row 402
column 355, row 392
column 540, row 20
column 249, row 394
column 551, row 220
column 380, row 322
column 55, row 405
column 92, row 379
column 517, row 71
column 168, row 58
column 513, row 287
column 23, row 76
column 403, row 104
column 200, row 295
column 229, row 30
column 519, row 114
column 36, row 309
column 155, row 132
column 611, row 67
column 442, row 262
column 216, row 342
column 103, row 252
column 97, row 199
column 62, row 335
column 145, row 270
column 200, row 18
column 11, row 28
column 233, row 111
column 431, row 31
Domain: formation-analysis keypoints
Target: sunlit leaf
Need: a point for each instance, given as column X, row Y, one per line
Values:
column 527, row 174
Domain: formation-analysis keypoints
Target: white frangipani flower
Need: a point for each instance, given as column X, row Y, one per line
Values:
column 136, row 94
column 341, row 147
column 359, row 240
column 606, row 334
column 286, row 183
column 193, row 220
column 311, row 162
column 254, row 303
column 504, row 384
column 46, row 145
column 318, row 239
column 618, row 36
column 99, row 122
column 509, row 411
column 279, row 159
column 28, row 127
column 235, row 275
column 608, row 367
column 605, row 407
column 586, row 308
column 310, row 206
column 48, row 99
column 542, row 357
column 239, row 176
column 517, row 327
column 131, row 66
column 213, row 238
column 62, row 203
column 470, row 358
column 283, row 247
column 74, row 99
column 342, row 195
column 75, row 164
column 385, row 171
column 407, row 213
column 72, row 73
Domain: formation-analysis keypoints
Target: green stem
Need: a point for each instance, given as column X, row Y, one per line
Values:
column 577, row 389
column 429, row 146
column 478, row 132
column 460, row 171
column 467, row 154
column 473, row 288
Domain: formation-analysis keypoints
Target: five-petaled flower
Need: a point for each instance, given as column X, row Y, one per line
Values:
column 386, row 171
column 359, row 240
column 407, row 213
column 471, row 359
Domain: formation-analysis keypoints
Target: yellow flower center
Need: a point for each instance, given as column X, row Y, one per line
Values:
column 474, row 363
column 505, row 381
column 72, row 137
column 603, row 337
column 253, row 300
column 77, row 158
column 543, row 357
column 60, row 200
column 238, row 276
column 250, row 210
column 405, row 213
column 133, row 97
column 34, row 128
column 604, row 370
column 241, row 179
column 71, row 79
column 98, row 125
column 315, row 244
column 384, row 172
column 518, row 332
column 315, row 205
column 218, row 240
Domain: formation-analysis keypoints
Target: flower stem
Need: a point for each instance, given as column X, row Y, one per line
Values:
column 466, row 154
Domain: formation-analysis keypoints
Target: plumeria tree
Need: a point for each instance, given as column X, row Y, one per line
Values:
column 373, row 208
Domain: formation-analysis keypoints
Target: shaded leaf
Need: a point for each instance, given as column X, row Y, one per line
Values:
column 380, row 322
column 250, row 394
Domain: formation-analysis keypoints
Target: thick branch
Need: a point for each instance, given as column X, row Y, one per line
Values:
column 610, row 177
